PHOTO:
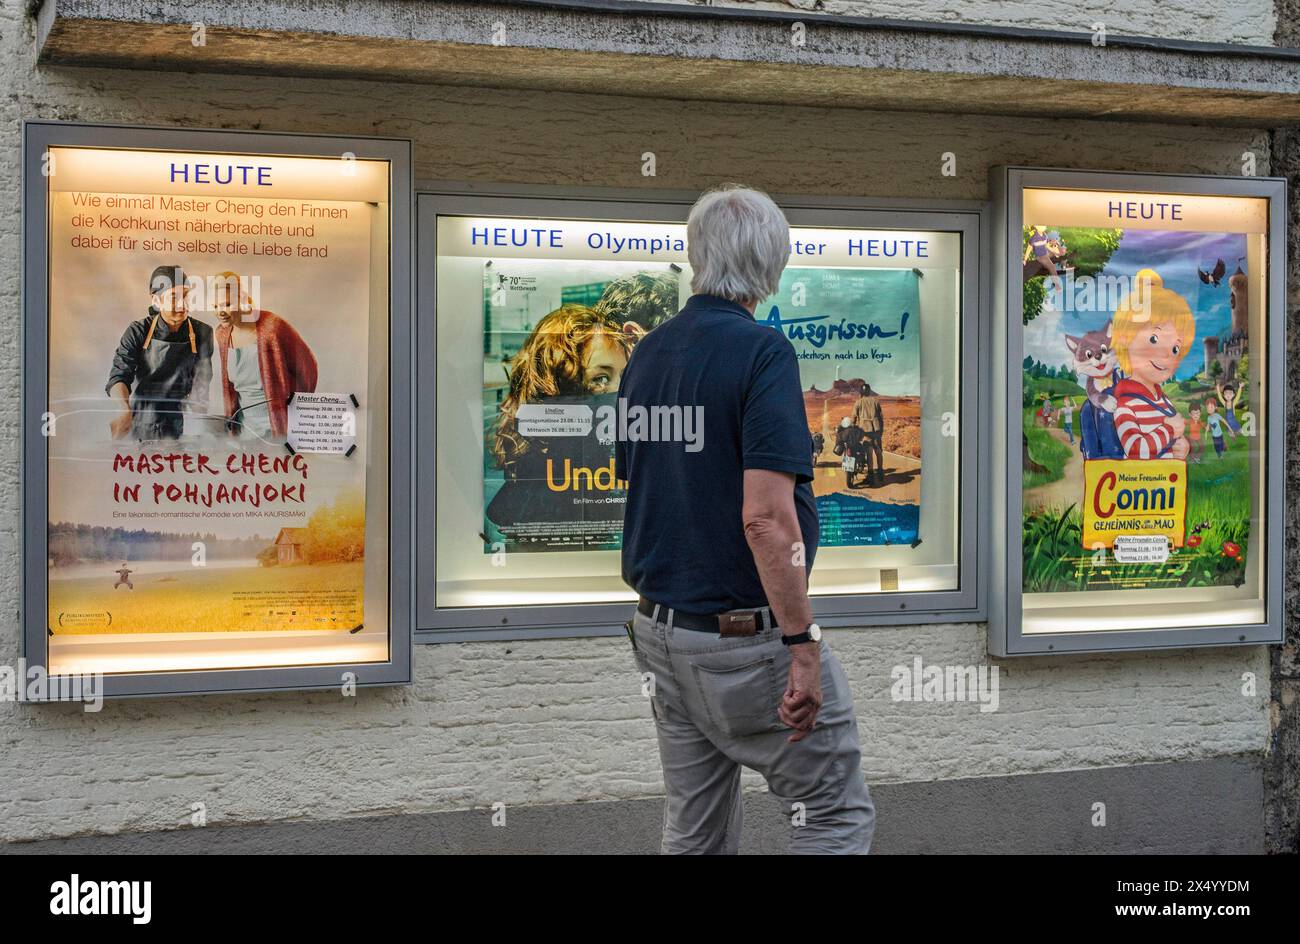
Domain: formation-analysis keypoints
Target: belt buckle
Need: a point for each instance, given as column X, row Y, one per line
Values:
column 741, row 623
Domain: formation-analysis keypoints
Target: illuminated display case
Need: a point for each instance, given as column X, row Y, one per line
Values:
column 216, row 409
column 1140, row 431
column 528, row 306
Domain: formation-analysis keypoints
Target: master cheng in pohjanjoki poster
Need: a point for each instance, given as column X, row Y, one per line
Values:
column 1137, row 432
column 857, row 333
column 174, row 504
column 557, row 336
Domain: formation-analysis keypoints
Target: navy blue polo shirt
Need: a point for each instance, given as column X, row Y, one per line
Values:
column 683, row 539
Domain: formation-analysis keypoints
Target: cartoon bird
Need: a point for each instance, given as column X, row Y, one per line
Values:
column 1215, row 276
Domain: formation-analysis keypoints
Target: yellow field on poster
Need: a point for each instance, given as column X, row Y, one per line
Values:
column 1145, row 497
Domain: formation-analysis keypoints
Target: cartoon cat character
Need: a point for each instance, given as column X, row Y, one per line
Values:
column 1096, row 360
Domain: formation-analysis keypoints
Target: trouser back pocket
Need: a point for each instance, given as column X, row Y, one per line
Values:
column 741, row 700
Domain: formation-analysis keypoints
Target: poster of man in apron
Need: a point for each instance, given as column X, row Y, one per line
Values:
column 162, row 366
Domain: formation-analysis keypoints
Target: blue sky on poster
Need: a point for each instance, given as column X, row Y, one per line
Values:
column 852, row 323
column 1175, row 256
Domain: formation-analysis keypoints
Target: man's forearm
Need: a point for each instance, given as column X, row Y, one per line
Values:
column 122, row 393
column 776, row 543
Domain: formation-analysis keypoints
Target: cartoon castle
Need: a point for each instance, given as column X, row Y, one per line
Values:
column 1227, row 350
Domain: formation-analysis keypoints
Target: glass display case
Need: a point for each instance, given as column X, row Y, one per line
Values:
column 216, row 409
column 529, row 309
column 1139, row 328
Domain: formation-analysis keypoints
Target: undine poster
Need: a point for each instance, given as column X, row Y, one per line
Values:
column 1137, row 422
column 557, row 337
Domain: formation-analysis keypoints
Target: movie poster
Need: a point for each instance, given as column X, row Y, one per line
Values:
column 557, row 335
column 857, row 335
column 209, row 336
column 1138, row 430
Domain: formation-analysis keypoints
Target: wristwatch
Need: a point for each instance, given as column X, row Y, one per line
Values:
column 812, row 634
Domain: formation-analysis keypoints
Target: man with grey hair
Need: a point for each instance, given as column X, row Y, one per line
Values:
column 718, row 542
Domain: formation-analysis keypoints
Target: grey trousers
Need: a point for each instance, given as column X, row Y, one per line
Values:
column 714, row 701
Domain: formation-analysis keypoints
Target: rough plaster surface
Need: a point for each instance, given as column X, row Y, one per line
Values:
column 1282, row 773
column 562, row 721
column 685, row 52
column 1287, row 31
column 1251, row 21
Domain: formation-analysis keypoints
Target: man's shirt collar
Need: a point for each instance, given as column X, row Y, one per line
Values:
column 716, row 303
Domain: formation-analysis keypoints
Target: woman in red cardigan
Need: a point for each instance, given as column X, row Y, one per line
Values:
column 263, row 362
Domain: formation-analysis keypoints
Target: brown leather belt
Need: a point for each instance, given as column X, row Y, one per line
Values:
column 730, row 623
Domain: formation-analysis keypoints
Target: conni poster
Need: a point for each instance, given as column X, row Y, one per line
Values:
column 1139, row 402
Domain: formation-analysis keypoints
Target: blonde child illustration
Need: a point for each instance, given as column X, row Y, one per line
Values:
column 1152, row 331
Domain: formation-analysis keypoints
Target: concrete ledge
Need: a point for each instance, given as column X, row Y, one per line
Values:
column 687, row 53
column 1198, row 807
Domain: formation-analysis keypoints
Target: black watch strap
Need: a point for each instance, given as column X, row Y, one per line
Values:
column 797, row 638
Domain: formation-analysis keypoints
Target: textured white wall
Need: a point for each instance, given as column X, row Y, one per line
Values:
column 1248, row 21
column 562, row 721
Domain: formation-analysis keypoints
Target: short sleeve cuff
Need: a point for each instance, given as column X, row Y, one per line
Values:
column 801, row 470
